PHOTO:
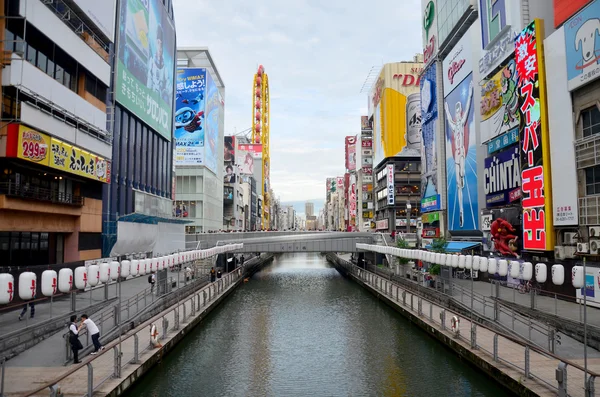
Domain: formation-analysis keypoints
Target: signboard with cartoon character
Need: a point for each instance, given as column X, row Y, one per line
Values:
column 582, row 40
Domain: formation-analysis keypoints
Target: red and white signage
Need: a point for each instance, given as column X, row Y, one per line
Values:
column 391, row 198
column 459, row 62
column 366, row 143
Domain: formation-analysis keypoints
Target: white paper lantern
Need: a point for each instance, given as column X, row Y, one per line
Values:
column 93, row 275
column 153, row 265
column 7, row 288
column 468, row 262
column 49, row 283
column 515, row 269
column 104, row 272
column 558, row 274
column 161, row 263
column 81, row 277
column 476, row 262
column 134, row 268
column 115, row 270
column 65, row 280
column 578, row 277
column 483, row 264
column 27, row 285
column 493, row 266
column 461, row 261
column 503, row 267
column 125, row 268
column 527, row 271
column 455, row 261
column 541, row 272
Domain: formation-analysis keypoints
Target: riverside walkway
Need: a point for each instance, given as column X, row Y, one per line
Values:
column 522, row 367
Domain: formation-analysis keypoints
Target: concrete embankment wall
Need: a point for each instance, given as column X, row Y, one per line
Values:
column 509, row 383
column 119, row 388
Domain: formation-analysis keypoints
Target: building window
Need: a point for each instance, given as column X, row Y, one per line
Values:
column 592, row 180
column 95, row 87
column 591, row 121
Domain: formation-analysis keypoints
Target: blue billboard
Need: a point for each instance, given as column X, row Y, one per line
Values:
column 190, row 125
column 461, row 158
column 429, row 124
column 211, row 135
column 502, row 177
column 582, row 41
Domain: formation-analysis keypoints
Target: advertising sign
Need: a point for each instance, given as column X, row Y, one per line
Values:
column 429, row 124
column 30, row 145
column 563, row 9
column 501, row 176
column 430, row 217
column 499, row 103
column 430, row 42
column 366, row 143
column 461, row 159
column 145, row 63
column 391, row 195
column 190, row 118
column 211, row 134
column 230, row 173
column 413, row 127
column 459, row 62
column 382, row 224
column 350, row 145
column 229, row 147
column 365, row 126
column 582, row 40
column 102, row 13
column 432, row 203
column 340, row 183
column 503, row 141
column 538, row 231
column 244, row 160
column 352, row 198
column 255, row 149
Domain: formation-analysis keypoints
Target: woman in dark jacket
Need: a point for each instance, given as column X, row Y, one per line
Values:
column 74, row 339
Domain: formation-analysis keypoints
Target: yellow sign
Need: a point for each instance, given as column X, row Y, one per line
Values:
column 491, row 99
column 33, row 146
column 42, row 149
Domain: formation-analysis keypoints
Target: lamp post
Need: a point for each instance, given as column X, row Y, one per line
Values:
column 408, row 208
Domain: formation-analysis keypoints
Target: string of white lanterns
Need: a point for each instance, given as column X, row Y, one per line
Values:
column 105, row 271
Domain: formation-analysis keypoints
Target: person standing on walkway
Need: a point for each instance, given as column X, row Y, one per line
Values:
column 24, row 311
column 74, row 339
column 212, row 275
column 242, row 261
column 152, row 281
column 93, row 331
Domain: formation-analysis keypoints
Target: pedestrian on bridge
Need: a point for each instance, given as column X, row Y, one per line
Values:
column 24, row 311
column 242, row 261
column 212, row 275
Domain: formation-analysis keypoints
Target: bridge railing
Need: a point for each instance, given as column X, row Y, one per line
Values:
column 558, row 375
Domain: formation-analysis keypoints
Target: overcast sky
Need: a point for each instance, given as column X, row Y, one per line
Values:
column 317, row 54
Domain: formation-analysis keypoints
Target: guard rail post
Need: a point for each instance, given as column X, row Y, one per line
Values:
column 117, row 362
column 590, row 386
column 527, row 376
column 67, row 349
column 551, row 341
column 411, row 302
column 443, row 319
column 496, row 314
column 136, row 349
column 404, row 298
column 561, row 378
column 473, row 335
column 420, row 306
column 496, row 347
column 165, row 324
column 90, row 385
column 430, row 311
column 532, row 295
column 176, row 312
column 2, row 377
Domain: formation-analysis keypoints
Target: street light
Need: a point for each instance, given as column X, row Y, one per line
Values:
column 408, row 207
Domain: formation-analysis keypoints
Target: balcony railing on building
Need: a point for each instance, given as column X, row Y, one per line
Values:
column 23, row 191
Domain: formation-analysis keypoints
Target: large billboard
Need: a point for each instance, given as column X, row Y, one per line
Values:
column 145, row 64
column 459, row 62
column 245, row 156
column 582, row 40
column 350, row 146
column 502, row 178
column 211, row 135
column 461, row 157
column 563, row 9
column 102, row 13
column 390, row 97
column 229, row 148
column 429, row 161
column 190, row 117
column 538, row 233
column 500, row 103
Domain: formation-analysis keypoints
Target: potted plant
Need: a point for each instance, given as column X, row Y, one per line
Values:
column 402, row 243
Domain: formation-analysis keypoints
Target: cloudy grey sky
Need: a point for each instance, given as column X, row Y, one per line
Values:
column 317, row 54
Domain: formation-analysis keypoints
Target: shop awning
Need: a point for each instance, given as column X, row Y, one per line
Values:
column 136, row 217
column 457, row 246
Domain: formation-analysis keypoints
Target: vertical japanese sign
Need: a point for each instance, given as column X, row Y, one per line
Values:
column 350, row 145
column 538, row 234
column 390, row 185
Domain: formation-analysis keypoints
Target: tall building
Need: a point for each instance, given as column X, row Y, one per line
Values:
column 199, row 133
column 309, row 209
column 138, row 201
column 56, row 137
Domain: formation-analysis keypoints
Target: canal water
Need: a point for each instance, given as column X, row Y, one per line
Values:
column 298, row 328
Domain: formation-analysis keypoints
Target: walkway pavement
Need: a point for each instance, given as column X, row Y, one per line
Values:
column 51, row 352
column 19, row 380
column 511, row 355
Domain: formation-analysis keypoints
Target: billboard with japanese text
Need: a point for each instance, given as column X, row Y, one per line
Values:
column 350, row 146
column 245, row 156
column 190, row 118
column 538, row 233
column 145, row 64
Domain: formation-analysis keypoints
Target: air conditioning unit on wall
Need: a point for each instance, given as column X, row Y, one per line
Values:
column 570, row 238
column 594, row 232
column 559, row 252
column 594, row 246
column 583, row 248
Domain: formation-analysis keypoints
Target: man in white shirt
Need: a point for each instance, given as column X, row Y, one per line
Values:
column 93, row 331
